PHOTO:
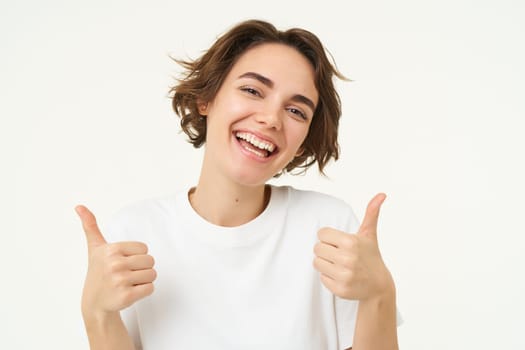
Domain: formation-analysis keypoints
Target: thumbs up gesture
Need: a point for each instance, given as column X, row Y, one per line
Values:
column 118, row 274
column 351, row 265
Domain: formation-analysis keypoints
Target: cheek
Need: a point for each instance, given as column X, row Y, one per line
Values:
column 231, row 107
column 298, row 134
column 238, row 111
column 223, row 118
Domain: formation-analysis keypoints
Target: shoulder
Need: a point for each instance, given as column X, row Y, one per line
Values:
column 146, row 208
column 323, row 208
column 314, row 200
column 136, row 218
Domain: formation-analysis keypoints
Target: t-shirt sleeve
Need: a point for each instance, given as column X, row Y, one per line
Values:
column 114, row 230
column 129, row 317
column 346, row 315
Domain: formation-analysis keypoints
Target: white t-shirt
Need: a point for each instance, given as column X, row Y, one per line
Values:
column 247, row 287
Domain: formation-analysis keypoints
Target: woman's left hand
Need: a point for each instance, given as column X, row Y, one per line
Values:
column 351, row 265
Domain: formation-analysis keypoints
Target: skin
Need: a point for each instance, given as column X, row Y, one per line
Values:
column 269, row 93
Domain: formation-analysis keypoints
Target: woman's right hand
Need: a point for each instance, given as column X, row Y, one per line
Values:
column 118, row 274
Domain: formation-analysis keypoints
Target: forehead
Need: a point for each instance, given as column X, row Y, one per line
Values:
column 284, row 65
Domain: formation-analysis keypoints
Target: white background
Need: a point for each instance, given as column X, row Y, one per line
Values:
column 434, row 118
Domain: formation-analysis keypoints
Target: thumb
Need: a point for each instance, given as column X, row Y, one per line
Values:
column 94, row 237
column 369, row 224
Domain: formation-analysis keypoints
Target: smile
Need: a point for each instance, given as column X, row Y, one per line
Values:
column 255, row 145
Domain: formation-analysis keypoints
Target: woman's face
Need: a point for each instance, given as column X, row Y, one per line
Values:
column 261, row 114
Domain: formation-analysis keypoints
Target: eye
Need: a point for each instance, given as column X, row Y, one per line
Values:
column 250, row 90
column 298, row 112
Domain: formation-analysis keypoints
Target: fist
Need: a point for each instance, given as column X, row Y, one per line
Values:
column 350, row 265
column 118, row 274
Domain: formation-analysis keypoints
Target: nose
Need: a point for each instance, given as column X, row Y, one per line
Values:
column 271, row 118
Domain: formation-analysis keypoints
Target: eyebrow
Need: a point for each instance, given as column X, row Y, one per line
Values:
column 266, row 81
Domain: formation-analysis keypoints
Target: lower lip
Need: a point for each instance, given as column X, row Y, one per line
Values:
column 250, row 154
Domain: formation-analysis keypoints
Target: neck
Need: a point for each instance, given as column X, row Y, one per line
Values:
column 227, row 204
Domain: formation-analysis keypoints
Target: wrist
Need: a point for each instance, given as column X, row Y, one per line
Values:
column 106, row 331
column 386, row 291
column 384, row 301
column 99, row 319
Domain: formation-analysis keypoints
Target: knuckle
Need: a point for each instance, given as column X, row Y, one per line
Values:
column 347, row 261
column 119, row 280
column 322, row 232
column 348, row 242
column 114, row 266
column 316, row 263
column 113, row 249
column 150, row 288
column 90, row 226
column 128, row 297
column 151, row 261
column 143, row 247
column 317, row 248
column 153, row 275
column 142, row 291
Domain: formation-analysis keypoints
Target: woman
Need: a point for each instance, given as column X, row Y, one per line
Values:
column 242, row 264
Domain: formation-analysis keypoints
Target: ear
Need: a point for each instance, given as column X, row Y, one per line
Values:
column 203, row 107
column 299, row 152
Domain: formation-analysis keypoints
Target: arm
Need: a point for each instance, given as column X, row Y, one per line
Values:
column 107, row 331
column 352, row 268
column 376, row 326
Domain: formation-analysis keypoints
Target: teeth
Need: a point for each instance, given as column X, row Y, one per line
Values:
column 260, row 154
column 255, row 141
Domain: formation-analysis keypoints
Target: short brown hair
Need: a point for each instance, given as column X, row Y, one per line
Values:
column 204, row 76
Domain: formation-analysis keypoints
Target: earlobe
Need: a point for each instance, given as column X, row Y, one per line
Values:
column 299, row 152
column 203, row 108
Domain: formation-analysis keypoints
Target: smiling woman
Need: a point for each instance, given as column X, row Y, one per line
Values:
column 242, row 264
column 258, row 98
column 205, row 75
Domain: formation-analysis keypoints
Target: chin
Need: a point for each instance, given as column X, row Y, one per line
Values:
column 250, row 177
column 252, row 181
